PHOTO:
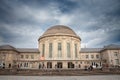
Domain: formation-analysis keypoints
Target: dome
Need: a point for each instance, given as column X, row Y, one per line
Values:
column 59, row 30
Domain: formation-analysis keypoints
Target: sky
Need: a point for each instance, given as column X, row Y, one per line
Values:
column 22, row 22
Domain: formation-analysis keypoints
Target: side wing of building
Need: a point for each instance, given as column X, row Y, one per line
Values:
column 29, row 58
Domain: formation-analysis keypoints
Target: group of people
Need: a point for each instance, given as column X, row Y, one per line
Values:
column 90, row 68
column 3, row 65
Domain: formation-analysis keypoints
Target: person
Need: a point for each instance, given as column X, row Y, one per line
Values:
column 91, row 68
column 3, row 65
column 9, row 65
column 96, row 65
column 18, row 66
column 39, row 66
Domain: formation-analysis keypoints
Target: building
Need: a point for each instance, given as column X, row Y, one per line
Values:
column 59, row 48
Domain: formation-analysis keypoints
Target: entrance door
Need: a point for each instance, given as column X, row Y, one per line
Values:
column 59, row 65
column 70, row 65
column 49, row 64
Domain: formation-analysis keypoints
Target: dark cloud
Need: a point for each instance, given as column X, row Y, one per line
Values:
column 97, row 22
column 67, row 6
column 5, row 12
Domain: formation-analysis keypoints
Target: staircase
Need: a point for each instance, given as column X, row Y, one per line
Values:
column 38, row 72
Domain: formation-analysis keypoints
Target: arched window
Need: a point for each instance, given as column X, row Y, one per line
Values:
column 43, row 50
column 50, row 50
column 59, row 50
column 76, row 51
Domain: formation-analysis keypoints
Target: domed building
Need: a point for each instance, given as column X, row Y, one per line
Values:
column 59, row 48
column 60, row 45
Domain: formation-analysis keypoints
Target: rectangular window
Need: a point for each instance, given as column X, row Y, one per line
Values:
column 50, row 50
column 43, row 50
column 32, row 56
column 117, row 61
column 97, row 56
column 27, row 56
column 22, row 56
column 115, row 54
column 88, row 62
column 59, row 50
column 76, row 51
column 81, row 62
column 92, row 56
column 68, row 50
column 87, row 56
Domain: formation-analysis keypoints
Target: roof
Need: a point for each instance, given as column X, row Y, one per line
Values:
column 86, row 50
column 7, row 47
column 112, row 46
column 109, row 47
column 59, row 30
column 28, row 50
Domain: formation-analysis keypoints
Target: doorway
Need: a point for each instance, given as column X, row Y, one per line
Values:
column 70, row 65
column 59, row 65
column 49, row 64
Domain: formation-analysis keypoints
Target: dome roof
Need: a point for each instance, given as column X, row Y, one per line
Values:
column 59, row 30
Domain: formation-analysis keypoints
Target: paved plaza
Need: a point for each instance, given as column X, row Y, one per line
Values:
column 93, row 77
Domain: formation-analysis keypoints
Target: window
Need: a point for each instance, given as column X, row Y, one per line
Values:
column 115, row 54
column 117, row 61
column 27, row 56
column 92, row 56
column 75, row 50
column 87, row 56
column 32, row 56
column 97, row 56
column 50, row 50
column 81, row 62
column 22, row 56
column 68, row 50
column 88, row 62
column 43, row 50
column 59, row 50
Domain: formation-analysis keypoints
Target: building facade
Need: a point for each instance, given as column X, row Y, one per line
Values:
column 59, row 48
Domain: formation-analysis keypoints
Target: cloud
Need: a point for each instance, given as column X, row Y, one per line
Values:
column 96, row 22
column 41, row 16
column 25, row 36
